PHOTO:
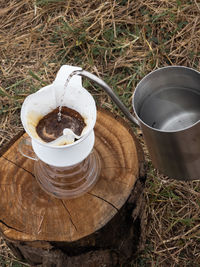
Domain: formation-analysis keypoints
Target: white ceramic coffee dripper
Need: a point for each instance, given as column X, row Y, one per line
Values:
column 63, row 151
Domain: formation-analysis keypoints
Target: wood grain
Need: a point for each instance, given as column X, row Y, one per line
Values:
column 29, row 215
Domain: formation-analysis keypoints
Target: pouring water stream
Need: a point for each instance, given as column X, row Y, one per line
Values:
column 62, row 96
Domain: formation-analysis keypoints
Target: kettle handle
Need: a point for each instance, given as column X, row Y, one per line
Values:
column 110, row 92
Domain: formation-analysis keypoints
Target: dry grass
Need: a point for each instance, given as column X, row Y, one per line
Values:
column 121, row 41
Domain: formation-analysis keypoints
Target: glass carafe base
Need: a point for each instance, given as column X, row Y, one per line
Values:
column 69, row 182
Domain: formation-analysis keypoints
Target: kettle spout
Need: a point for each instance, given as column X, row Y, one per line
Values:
column 110, row 92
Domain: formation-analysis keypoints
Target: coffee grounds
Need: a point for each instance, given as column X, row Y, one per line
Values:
column 49, row 128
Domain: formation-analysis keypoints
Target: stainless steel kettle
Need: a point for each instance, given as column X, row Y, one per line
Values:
column 166, row 103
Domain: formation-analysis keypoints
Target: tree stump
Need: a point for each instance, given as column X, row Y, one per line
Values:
column 104, row 227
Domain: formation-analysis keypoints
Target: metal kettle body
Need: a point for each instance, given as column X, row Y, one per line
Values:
column 167, row 105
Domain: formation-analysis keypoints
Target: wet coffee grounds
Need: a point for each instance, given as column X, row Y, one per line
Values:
column 49, row 128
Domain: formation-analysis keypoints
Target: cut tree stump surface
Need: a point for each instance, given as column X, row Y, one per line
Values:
column 30, row 216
